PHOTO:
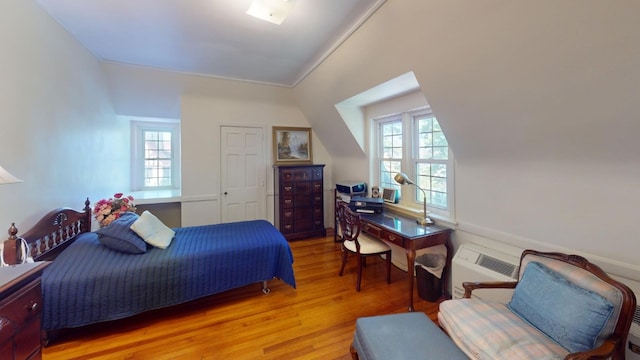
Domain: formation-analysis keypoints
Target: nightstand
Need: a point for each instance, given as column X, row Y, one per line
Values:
column 20, row 309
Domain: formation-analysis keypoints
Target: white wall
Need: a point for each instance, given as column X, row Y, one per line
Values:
column 204, row 104
column 537, row 101
column 59, row 131
column 202, row 118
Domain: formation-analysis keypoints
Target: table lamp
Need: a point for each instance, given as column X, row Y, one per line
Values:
column 401, row 178
column 12, row 242
column 7, row 178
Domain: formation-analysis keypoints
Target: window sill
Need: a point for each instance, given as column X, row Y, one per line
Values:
column 156, row 196
column 407, row 211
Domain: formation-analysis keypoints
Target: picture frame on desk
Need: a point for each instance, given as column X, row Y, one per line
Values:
column 292, row 145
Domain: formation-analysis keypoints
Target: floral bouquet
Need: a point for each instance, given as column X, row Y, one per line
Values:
column 107, row 210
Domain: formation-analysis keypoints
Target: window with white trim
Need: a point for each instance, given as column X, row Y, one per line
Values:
column 155, row 155
column 414, row 143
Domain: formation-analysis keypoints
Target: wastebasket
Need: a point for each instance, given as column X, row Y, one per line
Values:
column 429, row 269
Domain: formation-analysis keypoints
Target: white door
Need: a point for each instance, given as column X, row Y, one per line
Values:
column 242, row 178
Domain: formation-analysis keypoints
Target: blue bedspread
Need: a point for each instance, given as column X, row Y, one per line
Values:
column 91, row 283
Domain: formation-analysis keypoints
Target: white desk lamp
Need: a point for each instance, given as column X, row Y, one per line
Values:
column 7, row 178
column 401, row 178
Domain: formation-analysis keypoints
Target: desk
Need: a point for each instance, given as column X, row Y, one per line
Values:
column 405, row 232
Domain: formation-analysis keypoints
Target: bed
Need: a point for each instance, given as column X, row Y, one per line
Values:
column 89, row 283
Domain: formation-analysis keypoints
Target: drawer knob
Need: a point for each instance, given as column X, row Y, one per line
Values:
column 392, row 237
column 33, row 307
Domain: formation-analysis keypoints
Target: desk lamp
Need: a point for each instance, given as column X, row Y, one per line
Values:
column 11, row 243
column 401, row 178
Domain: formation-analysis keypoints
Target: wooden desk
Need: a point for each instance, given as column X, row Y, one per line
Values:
column 405, row 232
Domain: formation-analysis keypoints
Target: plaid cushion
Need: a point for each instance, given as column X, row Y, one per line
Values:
column 489, row 330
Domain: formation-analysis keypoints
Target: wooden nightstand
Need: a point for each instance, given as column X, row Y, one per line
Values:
column 20, row 308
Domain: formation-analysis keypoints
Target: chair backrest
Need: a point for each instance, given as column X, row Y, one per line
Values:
column 587, row 275
column 349, row 222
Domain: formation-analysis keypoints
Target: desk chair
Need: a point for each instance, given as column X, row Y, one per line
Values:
column 355, row 242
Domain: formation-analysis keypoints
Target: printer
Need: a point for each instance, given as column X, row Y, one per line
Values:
column 366, row 205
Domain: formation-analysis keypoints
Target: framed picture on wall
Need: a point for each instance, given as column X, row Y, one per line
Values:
column 292, row 145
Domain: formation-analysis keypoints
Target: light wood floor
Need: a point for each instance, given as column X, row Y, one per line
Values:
column 314, row 321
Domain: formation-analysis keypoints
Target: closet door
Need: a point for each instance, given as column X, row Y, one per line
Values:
column 242, row 174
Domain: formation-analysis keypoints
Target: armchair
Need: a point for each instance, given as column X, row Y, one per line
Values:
column 563, row 306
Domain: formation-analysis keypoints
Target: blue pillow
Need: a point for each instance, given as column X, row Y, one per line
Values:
column 119, row 236
column 571, row 315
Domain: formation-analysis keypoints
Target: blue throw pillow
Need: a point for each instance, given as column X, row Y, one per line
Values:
column 119, row 236
column 570, row 315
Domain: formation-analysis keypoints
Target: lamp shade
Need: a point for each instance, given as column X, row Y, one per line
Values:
column 401, row 178
column 7, row 178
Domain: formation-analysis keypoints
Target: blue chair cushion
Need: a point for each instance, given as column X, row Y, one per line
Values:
column 570, row 315
column 403, row 336
column 118, row 235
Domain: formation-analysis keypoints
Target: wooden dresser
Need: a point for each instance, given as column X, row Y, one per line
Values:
column 20, row 309
column 300, row 201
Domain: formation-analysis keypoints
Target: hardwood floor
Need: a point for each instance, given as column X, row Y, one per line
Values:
column 314, row 321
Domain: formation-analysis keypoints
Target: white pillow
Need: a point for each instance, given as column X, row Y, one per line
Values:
column 152, row 230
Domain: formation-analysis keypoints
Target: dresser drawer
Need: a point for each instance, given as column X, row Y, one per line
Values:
column 27, row 343
column 317, row 187
column 317, row 173
column 286, row 188
column 286, row 175
column 302, row 175
column 302, row 214
column 286, row 228
column 6, row 330
column 20, row 315
column 287, row 215
column 287, row 201
column 302, row 201
column 24, row 305
column 302, row 188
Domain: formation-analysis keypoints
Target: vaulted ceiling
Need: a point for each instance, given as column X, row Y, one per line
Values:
column 212, row 37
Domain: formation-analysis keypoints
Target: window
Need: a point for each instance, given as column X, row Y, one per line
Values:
column 431, row 160
column 155, row 155
column 391, row 163
column 414, row 143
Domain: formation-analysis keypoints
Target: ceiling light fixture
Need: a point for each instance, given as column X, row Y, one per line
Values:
column 273, row 11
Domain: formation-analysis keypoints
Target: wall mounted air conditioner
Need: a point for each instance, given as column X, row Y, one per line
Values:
column 473, row 262
column 633, row 342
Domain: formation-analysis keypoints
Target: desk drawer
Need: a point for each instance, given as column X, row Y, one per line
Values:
column 393, row 238
column 373, row 230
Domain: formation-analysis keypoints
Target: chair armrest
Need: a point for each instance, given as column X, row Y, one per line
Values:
column 470, row 286
column 604, row 351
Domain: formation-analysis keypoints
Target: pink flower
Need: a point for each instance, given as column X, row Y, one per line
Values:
column 107, row 210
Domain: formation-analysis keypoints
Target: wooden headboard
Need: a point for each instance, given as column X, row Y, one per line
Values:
column 55, row 231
